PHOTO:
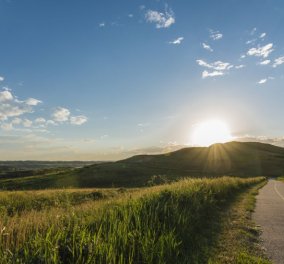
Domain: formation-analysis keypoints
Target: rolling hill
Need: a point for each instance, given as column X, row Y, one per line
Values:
column 243, row 159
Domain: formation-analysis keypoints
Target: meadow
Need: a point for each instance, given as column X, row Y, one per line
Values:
column 171, row 223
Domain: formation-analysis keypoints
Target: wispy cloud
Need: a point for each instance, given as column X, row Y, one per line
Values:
column 40, row 120
column 253, row 31
column 11, row 106
column 278, row 141
column 262, row 35
column 143, row 124
column 266, row 79
column 265, row 62
column 78, row 120
column 215, row 35
column 262, row 81
column 27, row 123
column 240, row 66
column 251, row 41
column 161, row 20
column 33, row 101
column 177, row 41
column 1, row 78
column 102, row 24
column 278, row 62
column 256, row 38
column 7, row 126
column 16, row 121
column 263, row 51
column 218, row 68
column 206, row 74
column 217, row 65
column 207, row 47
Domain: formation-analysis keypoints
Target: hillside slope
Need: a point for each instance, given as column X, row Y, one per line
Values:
column 234, row 158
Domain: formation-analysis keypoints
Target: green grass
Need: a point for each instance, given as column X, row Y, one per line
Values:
column 280, row 178
column 173, row 223
column 18, row 202
column 239, row 240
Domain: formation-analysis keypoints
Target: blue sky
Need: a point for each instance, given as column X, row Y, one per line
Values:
column 102, row 80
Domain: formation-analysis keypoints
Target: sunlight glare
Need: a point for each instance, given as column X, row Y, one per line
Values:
column 210, row 132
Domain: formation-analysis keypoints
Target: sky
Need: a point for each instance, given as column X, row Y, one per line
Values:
column 103, row 80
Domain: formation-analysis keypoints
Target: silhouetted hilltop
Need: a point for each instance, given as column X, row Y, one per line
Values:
column 243, row 159
column 235, row 158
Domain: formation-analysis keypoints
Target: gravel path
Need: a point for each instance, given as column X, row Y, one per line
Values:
column 269, row 215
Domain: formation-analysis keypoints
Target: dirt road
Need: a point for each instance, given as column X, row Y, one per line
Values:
column 269, row 214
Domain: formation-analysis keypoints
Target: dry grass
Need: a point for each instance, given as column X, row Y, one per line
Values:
column 239, row 240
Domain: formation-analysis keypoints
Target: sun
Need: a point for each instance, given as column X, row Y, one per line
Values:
column 210, row 132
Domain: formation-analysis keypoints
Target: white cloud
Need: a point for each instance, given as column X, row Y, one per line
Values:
column 6, row 96
column 7, row 126
column 262, row 81
column 262, row 35
column 215, row 35
column 218, row 68
column 243, row 56
column 278, row 62
column 263, row 51
column 207, row 47
column 1, row 78
column 265, row 62
column 51, row 122
column 27, row 123
column 40, row 120
column 217, row 65
column 16, row 121
column 162, row 20
column 130, row 15
column 206, row 74
column 240, row 66
column 78, row 120
column 13, row 109
column 61, row 114
column 177, row 41
column 203, row 63
column 102, row 24
column 33, row 101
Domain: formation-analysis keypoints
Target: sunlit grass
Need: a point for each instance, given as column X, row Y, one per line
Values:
column 174, row 223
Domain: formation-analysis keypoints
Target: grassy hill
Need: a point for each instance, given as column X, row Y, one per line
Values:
column 243, row 159
column 172, row 223
column 235, row 158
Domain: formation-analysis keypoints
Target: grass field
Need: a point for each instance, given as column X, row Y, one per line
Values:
column 281, row 178
column 172, row 223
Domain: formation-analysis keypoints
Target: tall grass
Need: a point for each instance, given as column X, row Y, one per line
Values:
column 173, row 223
